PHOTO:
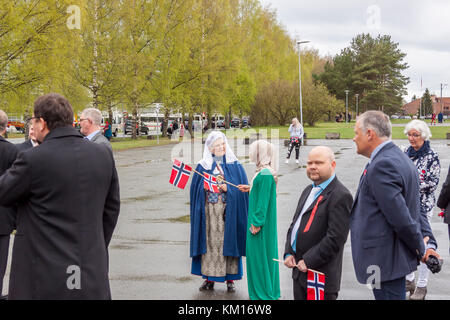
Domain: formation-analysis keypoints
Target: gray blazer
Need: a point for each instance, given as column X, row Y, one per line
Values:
column 101, row 139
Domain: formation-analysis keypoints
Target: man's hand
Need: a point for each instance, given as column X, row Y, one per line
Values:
column 290, row 262
column 244, row 188
column 223, row 187
column 428, row 253
column 425, row 240
column 302, row 266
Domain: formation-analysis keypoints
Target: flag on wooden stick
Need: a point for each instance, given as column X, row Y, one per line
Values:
column 210, row 183
column 180, row 174
column 316, row 285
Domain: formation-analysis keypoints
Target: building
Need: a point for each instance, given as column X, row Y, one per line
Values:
column 412, row 108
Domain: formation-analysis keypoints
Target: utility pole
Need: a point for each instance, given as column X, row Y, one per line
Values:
column 346, row 105
column 442, row 87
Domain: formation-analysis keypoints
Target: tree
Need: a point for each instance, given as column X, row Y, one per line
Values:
column 427, row 103
column 371, row 67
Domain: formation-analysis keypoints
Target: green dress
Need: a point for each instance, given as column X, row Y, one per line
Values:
column 262, row 272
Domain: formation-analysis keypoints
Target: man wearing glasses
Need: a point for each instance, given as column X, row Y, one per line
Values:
column 90, row 127
column 67, row 192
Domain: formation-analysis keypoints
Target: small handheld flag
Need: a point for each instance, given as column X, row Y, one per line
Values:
column 316, row 286
column 180, row 174
column 210, row 183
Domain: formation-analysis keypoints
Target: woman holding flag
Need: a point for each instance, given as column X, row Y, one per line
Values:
column 218, row 215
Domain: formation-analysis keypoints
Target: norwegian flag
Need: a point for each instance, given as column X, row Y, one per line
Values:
column 180, row 174
column 316, row 286
column 210, row 183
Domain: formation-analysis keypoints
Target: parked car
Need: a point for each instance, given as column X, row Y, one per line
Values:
column 394, row 116
column 221, row 123
column 235, row 123
column 128, row 128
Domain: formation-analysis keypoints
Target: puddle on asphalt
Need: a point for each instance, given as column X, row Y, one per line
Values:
column 122, row 247
column 150, row 241
column 152, row 278
column 182, row 219
column 153, row 196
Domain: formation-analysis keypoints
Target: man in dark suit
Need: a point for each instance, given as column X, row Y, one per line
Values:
column 387, row 230
column 31, row 142
column 317, row 235
column 67, row 192
column 8, row 153
column 90, row 127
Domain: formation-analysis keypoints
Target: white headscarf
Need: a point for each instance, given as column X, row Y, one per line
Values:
column 207, row 159
column 265, row 156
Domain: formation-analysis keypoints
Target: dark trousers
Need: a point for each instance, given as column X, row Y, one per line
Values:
column 300, row 293
column 449, row 236
column 4, row 246
column 391, row 290
column 293, row 145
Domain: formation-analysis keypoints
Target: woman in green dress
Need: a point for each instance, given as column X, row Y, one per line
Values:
column 262, row 246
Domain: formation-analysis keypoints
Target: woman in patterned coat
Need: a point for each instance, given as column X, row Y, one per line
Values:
column 429, row 169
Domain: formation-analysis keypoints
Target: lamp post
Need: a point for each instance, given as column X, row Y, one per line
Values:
column 357, row 96
column 300, row 81
column 346, row 105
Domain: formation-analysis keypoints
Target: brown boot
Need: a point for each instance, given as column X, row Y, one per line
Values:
column 419, row 294
column 410, row 286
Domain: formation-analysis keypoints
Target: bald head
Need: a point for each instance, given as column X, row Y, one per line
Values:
column 3, row 121
column 321, row 164
column 326, row 151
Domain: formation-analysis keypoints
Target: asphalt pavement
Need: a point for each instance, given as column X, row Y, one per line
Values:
column 149, row 252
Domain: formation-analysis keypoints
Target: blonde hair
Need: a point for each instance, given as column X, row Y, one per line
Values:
column 296, row 122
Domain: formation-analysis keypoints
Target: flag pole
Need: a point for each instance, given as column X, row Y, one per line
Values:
column 281, row 261
column 222, row 180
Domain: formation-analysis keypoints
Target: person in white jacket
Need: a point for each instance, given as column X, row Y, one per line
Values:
column 296, row 132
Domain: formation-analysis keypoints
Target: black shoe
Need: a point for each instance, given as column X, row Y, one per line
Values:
column 207, row 285
column 230, row 286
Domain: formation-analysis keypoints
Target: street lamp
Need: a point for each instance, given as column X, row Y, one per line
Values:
column 300, row 81
column 357, row 96
column 346, row 105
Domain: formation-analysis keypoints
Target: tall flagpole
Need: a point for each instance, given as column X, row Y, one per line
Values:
column 420, row 99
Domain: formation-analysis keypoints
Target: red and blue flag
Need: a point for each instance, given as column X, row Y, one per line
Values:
column 210, row 183
column 180, row 174
column 316, row 286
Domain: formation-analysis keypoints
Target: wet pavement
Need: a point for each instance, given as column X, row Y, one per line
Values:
column 149, row 253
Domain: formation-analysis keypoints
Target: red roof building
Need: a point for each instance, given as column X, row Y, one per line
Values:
column 412, row 108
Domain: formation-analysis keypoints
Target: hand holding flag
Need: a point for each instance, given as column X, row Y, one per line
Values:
column 210, row 183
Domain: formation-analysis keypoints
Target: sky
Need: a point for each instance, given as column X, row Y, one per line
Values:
column 421, row 28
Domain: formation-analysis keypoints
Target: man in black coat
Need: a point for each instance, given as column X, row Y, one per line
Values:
column 67, row 191
column 317, row 235
column 8, row 153
column 444, row 200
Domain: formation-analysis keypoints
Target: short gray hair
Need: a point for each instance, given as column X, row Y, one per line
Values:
column 3, row 120
column 419, row 126
column 94, row 114
column 377, row 121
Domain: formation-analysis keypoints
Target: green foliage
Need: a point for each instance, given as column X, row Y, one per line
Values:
column 372, row 68
column 427, row 103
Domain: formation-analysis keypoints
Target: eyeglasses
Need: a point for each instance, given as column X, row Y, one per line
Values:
column 414, row 135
